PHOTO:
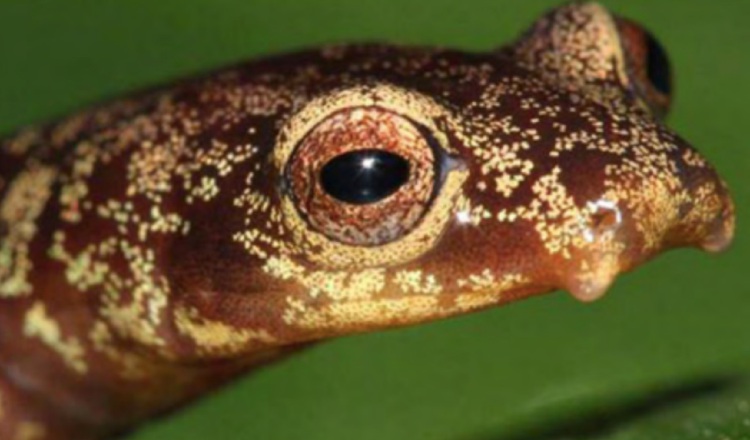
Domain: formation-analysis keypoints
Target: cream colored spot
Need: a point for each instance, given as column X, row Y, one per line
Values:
column 214, row 337
column 354, row 315
column 485, row 289
column 38, row 324
column 130, row 366
column 24, row 202
column 30, row 431
column 555, row 215
column 22, row 143
column 415, row 281
column 334, row 285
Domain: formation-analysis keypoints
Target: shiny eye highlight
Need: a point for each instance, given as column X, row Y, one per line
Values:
column 364, row 176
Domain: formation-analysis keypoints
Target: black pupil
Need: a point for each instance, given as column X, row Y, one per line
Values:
column 364, row 176
column 658, row 66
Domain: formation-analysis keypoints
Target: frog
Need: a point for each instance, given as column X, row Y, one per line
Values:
column 158, row 246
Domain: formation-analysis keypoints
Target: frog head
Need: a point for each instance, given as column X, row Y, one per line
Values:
column 399, row 185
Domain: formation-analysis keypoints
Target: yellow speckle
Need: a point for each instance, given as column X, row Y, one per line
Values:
column 30, row 431
column 26, row 198
column 415, row 281
column 214, row 337
column 38, row 324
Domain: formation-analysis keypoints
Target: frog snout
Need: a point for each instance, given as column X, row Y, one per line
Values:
column 641, row 214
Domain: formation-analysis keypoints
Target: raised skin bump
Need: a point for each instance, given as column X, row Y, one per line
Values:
column 156, row 247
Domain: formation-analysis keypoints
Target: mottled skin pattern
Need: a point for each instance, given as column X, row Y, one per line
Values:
column 153, row 248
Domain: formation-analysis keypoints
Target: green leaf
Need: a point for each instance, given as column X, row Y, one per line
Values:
column 714, row 409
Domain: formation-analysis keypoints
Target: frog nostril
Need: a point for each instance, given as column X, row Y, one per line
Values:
column 604, row 217
column 603, row 220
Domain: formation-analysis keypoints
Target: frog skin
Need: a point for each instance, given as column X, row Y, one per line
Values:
column 158, row 246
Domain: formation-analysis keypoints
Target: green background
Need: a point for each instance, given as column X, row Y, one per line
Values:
column 662, row 356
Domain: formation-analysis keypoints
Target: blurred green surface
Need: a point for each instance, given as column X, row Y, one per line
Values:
column 547, row 367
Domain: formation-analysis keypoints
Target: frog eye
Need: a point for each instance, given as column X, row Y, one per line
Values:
column 648, row 65
column 364, row 176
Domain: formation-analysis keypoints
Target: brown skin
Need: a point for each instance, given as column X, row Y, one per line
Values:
column 156, row 247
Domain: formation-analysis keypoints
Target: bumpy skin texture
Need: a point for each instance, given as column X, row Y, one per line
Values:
column 155, row 247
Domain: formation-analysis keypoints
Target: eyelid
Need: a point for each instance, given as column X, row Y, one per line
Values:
column 449, row 163
column 445, row 162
